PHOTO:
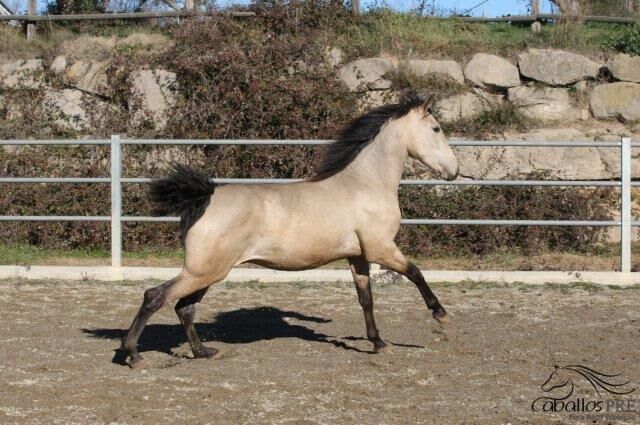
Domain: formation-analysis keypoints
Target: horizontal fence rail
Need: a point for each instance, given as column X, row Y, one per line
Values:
column 187, row 14
column 116, row 181
column 123, row 15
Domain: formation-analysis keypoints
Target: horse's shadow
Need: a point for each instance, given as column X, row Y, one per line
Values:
column 241, row 326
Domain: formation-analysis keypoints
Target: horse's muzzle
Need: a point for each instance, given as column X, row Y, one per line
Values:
column 453, row 175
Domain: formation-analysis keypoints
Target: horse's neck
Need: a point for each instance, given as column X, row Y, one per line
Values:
column 381, row 163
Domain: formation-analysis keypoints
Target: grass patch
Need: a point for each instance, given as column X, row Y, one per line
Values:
column 23, row 254
column 385, row 31
column 378, row 32
column 605, row 259
column 501, row 117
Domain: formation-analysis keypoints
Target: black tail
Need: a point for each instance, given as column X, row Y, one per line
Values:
column 185, row 192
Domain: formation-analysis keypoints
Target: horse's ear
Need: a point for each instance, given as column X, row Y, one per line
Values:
column 429, row 100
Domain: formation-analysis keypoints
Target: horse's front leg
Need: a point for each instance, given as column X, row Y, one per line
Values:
column 397, row 262
column 360, row 270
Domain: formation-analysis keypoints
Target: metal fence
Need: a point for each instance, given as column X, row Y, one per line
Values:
column 116, row 181
column 34, row 18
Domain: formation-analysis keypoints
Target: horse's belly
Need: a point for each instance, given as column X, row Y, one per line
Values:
column 304, row 253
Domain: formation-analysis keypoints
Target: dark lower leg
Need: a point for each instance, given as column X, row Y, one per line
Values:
column 366, row 301
column 186, row 311
column 415, row 275
column 153, row 301
column 360, row 271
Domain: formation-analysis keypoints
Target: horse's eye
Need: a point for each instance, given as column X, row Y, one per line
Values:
column 436, row 129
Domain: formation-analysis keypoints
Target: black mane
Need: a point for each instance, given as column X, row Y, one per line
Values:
column 359, row 133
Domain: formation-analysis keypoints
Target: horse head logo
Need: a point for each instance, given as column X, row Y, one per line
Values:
column 557, row 381
column 567, row 377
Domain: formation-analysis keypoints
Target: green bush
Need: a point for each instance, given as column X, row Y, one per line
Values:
column 626, row 41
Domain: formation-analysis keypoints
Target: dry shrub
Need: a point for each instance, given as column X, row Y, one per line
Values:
column 259, row 78
column 498, row 119
column 441, row 85
column 510, row 203
column 416, row 202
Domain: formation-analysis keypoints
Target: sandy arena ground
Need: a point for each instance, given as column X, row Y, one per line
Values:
column 294, row 354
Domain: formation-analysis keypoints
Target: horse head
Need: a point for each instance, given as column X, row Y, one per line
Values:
column 560, row 378
column 427, row 142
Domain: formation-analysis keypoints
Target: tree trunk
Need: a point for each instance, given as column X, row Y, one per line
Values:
column 535, row 7
column 572, row 7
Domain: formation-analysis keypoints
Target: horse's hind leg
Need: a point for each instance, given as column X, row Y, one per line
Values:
column 154, row 299
column 360, row 270
column 186, row 311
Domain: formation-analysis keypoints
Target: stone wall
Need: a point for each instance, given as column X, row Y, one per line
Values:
column 538, row 81
column 572, row 97
column 88, row 85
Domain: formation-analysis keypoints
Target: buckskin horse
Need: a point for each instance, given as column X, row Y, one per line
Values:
column 349, row 209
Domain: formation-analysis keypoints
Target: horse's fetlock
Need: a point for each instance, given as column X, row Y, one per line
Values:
column 128, row 347
column 435, row 306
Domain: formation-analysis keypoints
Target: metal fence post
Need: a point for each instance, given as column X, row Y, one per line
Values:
column 625, row 205
column 116, row 203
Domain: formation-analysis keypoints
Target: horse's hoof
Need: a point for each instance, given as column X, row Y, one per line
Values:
column 379, row 347
column 136, row 362
column 441, row 316
column 207, row 353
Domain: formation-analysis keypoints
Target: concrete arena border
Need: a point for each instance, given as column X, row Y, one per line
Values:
column 108, row 273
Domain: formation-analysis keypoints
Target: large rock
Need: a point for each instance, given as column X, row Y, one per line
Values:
column 566, row 134
column 367, row 74
column 562, row 163
column 421, row 68
column 66, row 107
column 515, row 162
column 28, row 74
column 89, row 76
column 616, row 100
column 544, row 103
column 559, row 163
column 625, row 68
column 490, row 71
column 153, row 94
column 59, row 65
column 556, row 67
column 462, row 106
